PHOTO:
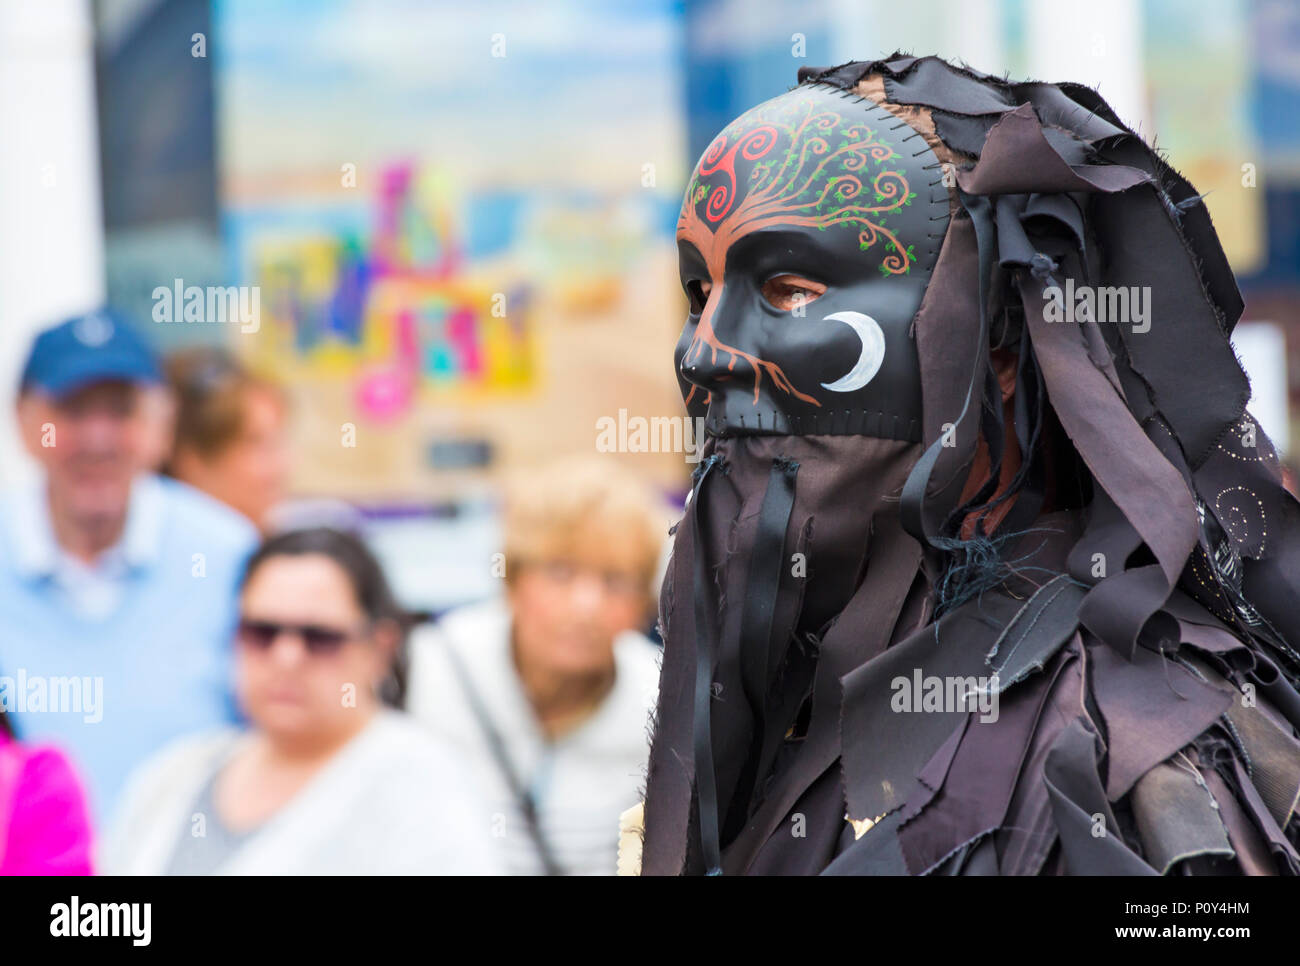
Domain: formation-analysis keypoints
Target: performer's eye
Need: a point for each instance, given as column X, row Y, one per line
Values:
column 788, row 292
column 697, row 291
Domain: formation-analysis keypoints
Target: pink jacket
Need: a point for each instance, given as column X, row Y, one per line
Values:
column 44, row 828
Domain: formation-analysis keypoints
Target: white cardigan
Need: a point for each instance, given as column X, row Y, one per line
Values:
column 391, row 802
column 582, row 782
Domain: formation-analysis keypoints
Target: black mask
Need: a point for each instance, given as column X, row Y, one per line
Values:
column 807, row 237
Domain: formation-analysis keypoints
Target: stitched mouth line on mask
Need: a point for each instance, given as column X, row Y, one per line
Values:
column 840, row 422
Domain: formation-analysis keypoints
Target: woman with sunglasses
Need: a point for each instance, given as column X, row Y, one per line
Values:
column 326, row 780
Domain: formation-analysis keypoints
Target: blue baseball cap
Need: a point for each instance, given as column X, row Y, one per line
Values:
column 87, row 349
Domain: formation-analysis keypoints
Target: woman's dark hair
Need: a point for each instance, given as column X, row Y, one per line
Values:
column 366, row 576
column 5, row 728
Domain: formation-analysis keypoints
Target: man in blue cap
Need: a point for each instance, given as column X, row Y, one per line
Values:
column 117, row 587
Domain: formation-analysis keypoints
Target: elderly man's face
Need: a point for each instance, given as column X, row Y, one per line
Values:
column 91, row 442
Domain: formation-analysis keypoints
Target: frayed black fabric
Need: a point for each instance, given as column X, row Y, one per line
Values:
column 793, row 515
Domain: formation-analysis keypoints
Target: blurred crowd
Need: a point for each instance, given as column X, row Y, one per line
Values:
column 190, row 685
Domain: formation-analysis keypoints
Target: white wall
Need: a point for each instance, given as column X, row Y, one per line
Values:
column 51, row 234
column 1098, row 43
column 1261, row 347
column 969, row 30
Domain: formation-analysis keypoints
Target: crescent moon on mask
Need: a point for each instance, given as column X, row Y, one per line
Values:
column 873, row 351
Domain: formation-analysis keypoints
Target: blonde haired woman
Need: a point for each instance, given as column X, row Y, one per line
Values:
column 548, row 690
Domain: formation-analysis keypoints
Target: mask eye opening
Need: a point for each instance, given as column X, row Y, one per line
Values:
column 697, row 294
column 786, row 292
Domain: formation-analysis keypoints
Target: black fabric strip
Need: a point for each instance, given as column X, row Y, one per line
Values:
column 912, row 509
column 1078, row 799
column 1274, row 686
column 765, row 569
column 1030, row 415
column 993, row 432
column 876, row 853
column 705, row 777
column 760, row 658
column 1037, row 632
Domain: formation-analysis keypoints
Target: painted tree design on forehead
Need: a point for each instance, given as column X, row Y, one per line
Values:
column 812, row 167
column 811, row 170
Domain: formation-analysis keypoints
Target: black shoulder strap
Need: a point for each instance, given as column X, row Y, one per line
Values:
column 498, row 748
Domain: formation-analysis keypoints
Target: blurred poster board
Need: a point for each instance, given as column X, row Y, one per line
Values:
column 1199, row 69
column 460, row 221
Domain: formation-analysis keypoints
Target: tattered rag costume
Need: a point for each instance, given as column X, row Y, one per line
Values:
column 961, row 346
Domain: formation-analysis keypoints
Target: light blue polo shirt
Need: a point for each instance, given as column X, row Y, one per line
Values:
column 111, row 661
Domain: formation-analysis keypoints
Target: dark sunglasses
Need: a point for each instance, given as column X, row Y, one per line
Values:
column 260, row 635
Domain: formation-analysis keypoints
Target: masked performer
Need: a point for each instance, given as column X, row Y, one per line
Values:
column 986, row 569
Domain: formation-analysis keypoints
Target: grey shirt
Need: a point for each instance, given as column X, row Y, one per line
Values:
column 205, row 842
